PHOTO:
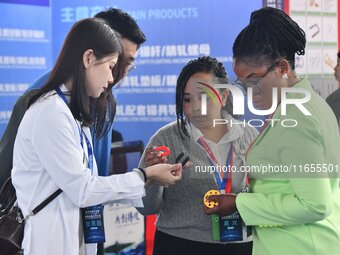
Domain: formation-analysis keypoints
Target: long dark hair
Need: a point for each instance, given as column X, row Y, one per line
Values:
column 200, row 65
column 270, row 34
column 95, row 34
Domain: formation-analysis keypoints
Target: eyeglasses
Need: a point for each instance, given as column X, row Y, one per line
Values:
column 255, row 84
column 131, row 66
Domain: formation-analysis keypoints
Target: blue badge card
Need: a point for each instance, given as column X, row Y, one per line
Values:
column 231, row 228
column 93, row 224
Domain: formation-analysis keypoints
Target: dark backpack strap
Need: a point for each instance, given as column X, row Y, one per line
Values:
column 7, row 196
column 46, row 201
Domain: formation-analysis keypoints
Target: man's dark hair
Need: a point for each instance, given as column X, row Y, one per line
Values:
column 270, row 34
column 339, row 54
column 124, row 24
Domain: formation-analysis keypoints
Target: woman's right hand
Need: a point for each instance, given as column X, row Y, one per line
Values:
column 153, row 157
column 164, row 174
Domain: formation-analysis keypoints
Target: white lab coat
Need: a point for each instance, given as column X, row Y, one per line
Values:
column 48, row 156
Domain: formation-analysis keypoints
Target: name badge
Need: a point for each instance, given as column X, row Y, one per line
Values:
column 230, row 228
column 93, row 224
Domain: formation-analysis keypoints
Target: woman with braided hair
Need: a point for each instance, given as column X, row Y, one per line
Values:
column 296, row 212
column 182, row 226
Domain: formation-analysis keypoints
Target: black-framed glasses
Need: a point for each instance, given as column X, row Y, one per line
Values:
column 255, row 84
column 119, row 83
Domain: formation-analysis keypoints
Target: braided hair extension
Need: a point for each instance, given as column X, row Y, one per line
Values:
column 204, row 64
column 273, row 34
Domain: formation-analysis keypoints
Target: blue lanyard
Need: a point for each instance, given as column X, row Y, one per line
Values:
column 90, row 153
column 89, row 147
column 222, row 183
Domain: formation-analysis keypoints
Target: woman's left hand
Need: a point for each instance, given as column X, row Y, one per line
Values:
column 226, row 205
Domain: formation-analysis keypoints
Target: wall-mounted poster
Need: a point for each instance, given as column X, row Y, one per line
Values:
column 319, row 20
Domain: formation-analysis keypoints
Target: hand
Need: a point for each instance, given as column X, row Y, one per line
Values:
column 153, row 157
column 226, row 205
column 164, row 174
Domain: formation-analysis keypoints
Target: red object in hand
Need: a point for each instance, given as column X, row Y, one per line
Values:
column 164, row 149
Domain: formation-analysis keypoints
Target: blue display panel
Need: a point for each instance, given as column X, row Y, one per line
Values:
column 177, row 31
column 25, row 51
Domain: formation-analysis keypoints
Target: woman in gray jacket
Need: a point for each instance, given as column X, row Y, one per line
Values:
column 182, row 226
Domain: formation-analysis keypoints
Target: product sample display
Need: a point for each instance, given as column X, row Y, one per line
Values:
column 165, row 150
column 211, row 204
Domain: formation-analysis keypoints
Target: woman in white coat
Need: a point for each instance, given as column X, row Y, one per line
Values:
column 53, row 147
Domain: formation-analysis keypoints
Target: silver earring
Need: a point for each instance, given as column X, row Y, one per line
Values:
column 285, row 76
